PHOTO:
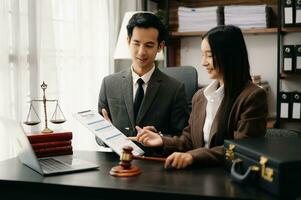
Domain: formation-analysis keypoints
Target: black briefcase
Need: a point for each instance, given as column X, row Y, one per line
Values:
column 274, row 164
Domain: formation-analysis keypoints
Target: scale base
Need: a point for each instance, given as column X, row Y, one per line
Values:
column 47, row 130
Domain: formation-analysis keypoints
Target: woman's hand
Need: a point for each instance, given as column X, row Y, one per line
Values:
column 147, row 138
column 178, row 160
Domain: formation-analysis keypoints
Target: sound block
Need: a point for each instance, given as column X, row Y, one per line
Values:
column 122, row 172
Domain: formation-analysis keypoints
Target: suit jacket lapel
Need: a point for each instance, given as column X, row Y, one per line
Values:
column 152, row 89
column 214, row 126
column 199, row 120
column 127, row 91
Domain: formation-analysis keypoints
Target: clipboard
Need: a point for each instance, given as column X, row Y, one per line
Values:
column 106, row 132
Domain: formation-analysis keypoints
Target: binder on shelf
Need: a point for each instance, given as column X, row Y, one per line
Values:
column 288, row 12
column 288, row 58
column 298, row 58
column 298, row 12
column 296, row 105
column 285, row 105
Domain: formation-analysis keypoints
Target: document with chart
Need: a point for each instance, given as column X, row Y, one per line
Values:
column 105, row 131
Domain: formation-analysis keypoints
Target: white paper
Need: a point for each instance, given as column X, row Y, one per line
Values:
column 288, row 15
column 298, row 16
column 284, row 110
column 105, row 131
column 288, row 64
column 298, row 64
column 296, row 111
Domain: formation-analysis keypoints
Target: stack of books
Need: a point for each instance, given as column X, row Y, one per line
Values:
column 248, row 16
column 51, row 144
column 199, row 19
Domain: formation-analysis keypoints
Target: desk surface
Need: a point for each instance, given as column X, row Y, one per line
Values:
column 17, row 180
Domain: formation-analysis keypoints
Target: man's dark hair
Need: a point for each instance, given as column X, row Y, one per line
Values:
column 230, row 58
column 147, row 20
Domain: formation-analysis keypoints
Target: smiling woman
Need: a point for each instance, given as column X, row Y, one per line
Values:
column 207, row 61
column 230, row 107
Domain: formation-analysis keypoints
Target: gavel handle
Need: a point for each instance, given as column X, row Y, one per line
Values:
column 149, row 158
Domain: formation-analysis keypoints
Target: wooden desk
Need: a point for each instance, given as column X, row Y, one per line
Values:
column 18, row 181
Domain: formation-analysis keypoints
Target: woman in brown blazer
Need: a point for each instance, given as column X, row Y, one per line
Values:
column 229, row 107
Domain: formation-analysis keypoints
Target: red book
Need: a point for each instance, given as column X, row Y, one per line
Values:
column 53, row 149
column 49, row 137
column 44, row 145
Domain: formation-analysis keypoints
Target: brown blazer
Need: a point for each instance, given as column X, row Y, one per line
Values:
column 247, row 119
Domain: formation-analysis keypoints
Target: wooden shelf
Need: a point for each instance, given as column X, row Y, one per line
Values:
column 287, row 75
column 259, row 31
column 290, row 120
column 245, row 31
column 291, row 29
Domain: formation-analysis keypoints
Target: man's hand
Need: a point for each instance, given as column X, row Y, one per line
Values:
column 147, row 138
column 178, row 160
column 105, row 114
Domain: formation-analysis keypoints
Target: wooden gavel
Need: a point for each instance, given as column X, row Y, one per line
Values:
column 125, row 168
column 127, row 156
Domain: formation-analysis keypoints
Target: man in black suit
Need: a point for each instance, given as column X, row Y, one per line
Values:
column 143, row 95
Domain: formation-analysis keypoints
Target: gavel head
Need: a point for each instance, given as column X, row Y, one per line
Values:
column 126, row 157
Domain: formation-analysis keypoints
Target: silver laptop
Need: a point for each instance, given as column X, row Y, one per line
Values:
column 45, row 166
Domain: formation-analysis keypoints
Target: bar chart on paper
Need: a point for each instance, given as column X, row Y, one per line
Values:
column 106, row 131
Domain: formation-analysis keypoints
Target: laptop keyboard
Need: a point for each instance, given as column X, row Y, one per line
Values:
column 53, row 165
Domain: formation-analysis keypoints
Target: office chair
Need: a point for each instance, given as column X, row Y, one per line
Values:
column 275, row 132
column 187, row 75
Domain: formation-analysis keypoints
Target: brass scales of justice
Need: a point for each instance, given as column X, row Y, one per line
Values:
column 33, row 117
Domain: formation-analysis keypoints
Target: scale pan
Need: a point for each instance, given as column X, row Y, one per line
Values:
column 31, row 123
column 58, row 121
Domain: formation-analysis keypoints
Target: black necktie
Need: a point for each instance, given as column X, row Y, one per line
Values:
column 138, row 97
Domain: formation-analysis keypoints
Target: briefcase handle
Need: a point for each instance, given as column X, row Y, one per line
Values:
column 241, row 178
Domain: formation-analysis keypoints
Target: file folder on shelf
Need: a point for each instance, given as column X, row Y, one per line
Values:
column 296, row 105
column 288, row 12
column 298, row 58
column 285, row 105
column 288, row 58
column 298, row 12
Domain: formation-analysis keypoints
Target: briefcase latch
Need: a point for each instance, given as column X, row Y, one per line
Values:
column 266, row 172
column 230, row 152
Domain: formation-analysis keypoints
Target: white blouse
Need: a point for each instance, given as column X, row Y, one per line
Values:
column 214, row 98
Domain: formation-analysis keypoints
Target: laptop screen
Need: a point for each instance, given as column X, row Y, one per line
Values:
column 23, row 147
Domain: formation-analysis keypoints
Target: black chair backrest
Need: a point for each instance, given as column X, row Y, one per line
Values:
column 187, row 75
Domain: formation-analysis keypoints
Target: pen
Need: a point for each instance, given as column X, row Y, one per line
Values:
column 130, row 129
column 160, row 133
column 81, row 112
column 149, row 158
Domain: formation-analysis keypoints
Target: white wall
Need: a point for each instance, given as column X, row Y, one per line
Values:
column 262, row 51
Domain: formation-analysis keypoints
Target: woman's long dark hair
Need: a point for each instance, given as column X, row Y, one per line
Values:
column 230, row 58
